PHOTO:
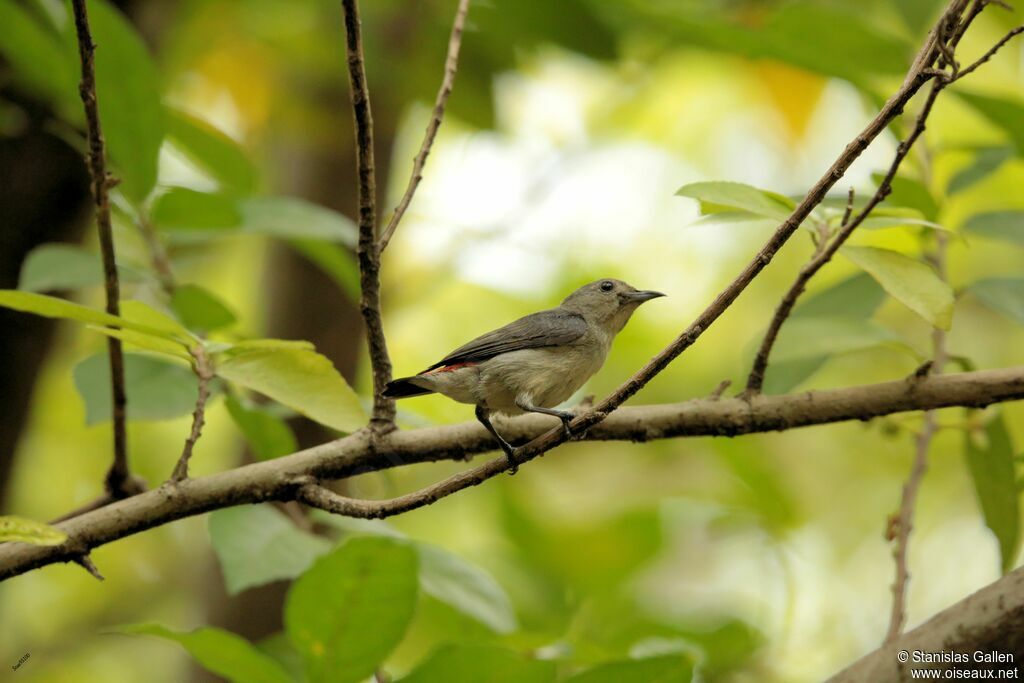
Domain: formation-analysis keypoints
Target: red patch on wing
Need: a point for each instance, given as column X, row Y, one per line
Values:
column 449, row 368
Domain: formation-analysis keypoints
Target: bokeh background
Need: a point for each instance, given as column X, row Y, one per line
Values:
column 571, row 126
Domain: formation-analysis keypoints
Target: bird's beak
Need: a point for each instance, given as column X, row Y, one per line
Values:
column 641, row 296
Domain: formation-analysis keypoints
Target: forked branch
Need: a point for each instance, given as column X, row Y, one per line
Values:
column 368, row 251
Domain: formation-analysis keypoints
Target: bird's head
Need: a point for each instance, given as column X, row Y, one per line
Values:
column 607, row 302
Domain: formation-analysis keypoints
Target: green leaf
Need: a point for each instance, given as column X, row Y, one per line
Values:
column 465, row 663
column 801, row 33
column 300, row 379
column 268, row 435
column 664, row 669
column 1004, row 113
column 139, row 341
column 890, row 222
column 781, row 377
column 181, row 208
column 466, row 587
column 257, row 544
column 918, row 14
column 220, row 652
column 156, row 390
column 444, row 575
column 911, row 193
column 990, row 462
column 856, row 298
column 350, row 610
column 288, row 217
column 213, row 151
column 1006, row 226
column 910, row 282
column 218, row 214
column 810, row 337
column 133, row 316
column 1002, row 294
column 280, row 649
column 66, row 266
column 336, row 261
column 29, row 531
column 716, row 196
column 986, row 161
column 128, row 95
column 200, row 309
column 38, row 59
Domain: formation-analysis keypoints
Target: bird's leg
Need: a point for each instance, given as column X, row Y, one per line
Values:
column 482, row 414
column 564, row 415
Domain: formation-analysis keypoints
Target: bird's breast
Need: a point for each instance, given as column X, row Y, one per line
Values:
column 546, row 377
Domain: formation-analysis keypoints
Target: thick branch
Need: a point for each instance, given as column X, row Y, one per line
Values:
column 119, row 482
column 991, row 620
column 447, row 82
column 368, row 252
column 281, row 479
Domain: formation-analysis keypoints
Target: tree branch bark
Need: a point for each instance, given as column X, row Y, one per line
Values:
column 119, row 482
column 990, row 620
column 282, row 479
column 368, row 251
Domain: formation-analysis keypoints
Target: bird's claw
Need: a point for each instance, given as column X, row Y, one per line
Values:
column 566, row 417
column 513, row 461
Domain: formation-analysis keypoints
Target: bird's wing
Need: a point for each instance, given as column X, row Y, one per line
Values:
column 546, row 328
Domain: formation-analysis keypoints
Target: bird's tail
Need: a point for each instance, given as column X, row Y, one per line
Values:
column 403, row 388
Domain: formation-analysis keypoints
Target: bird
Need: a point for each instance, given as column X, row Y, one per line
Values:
column 532, row 364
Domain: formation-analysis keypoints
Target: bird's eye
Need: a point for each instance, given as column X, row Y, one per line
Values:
column 607, row 286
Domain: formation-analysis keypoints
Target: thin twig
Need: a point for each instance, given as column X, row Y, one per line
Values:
column 991, row 52
column 204, row 372
column 383, row 417
column 824, row 254
column 903, row 524
column 86, row 563
column 118, row 480
column 450, row 66
column 720, row 389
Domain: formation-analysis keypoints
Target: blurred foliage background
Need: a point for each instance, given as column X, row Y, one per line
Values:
column 570, row 129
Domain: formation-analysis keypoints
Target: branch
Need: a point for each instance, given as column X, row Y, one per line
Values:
column 991, row 53
column 920, row 73
column 990, row 620
column 383, row 417
column 823, row 255
column 204, row 373
column 447, row 82
column 904, row 522
column 119, row 482
column 284, row 478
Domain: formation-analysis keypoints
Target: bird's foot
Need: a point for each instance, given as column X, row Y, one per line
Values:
column 566, row 417
column 510, row 455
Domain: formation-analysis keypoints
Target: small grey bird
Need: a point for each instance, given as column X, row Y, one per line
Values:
column 534, row 363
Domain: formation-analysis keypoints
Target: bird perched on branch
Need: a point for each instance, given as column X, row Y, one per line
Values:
column 534, row 363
